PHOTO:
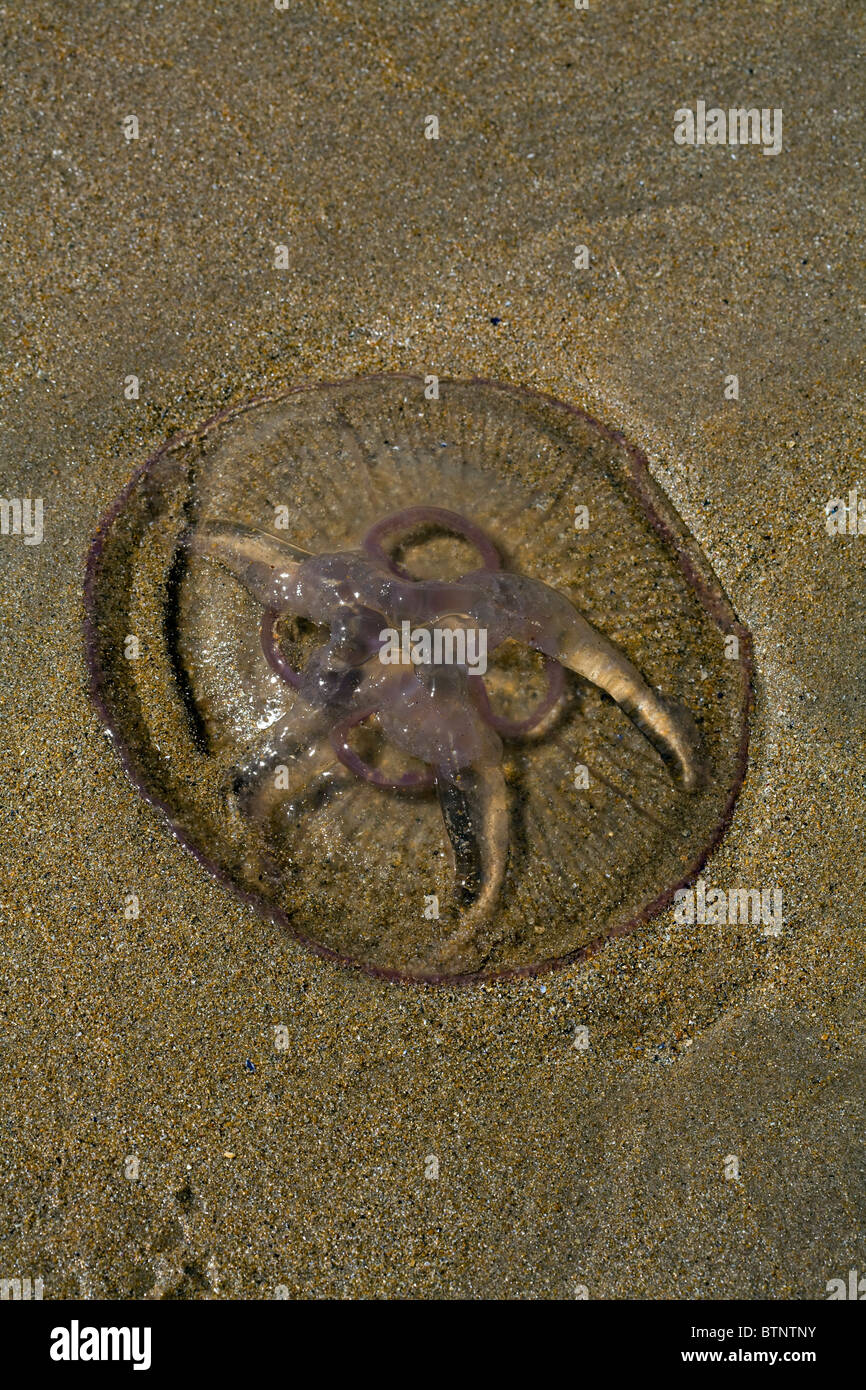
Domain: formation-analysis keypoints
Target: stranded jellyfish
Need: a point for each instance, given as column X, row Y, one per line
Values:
column 445, row 688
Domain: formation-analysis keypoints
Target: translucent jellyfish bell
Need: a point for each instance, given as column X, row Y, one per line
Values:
column 421, row 821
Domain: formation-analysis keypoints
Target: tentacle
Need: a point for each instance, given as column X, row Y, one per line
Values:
column 669, row 726
column 284, row 764
column 474, row 803
column 264, row 564
column 515, row 605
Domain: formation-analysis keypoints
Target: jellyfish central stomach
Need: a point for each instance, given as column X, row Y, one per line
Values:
column 423, row 683
column 377, row 614
column 411, row 652
column 451, row 640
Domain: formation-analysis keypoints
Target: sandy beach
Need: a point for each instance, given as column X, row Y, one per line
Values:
column 194, row 1106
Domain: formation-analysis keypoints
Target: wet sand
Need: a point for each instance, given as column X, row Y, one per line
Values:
column 156, row 1141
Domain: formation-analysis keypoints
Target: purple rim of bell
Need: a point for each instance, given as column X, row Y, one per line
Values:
column 642, row 487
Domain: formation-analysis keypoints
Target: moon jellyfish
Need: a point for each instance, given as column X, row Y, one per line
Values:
column 443, row 688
